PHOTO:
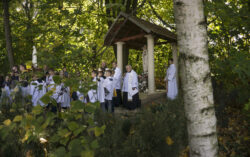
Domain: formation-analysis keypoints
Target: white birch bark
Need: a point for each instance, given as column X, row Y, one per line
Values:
column 195, row 77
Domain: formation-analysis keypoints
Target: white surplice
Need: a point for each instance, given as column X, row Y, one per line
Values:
column 63, row 95
column 130, row 81
column 172, row 84
column 109, row 89
column 92, row 94
column 38, row 90
column 100, row 90
column 117, row 78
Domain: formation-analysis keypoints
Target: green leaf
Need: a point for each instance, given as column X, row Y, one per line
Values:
column 45, row 99
column 87, row 153
column 73, row 126
column 75, row 147
column 57, row 79
column 17, row 118
column 59, row 152
column 37, row 110
column 79, row 130
column 99, row 130
column 94, row 144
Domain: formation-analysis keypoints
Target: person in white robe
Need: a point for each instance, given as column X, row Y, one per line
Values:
column 6, row 90
column 130, row 89
column 38, row 90
column 23, row 79
column 92, row 93
column 100, row 90
column 80, row 95
column 108, row 89
column 172, row 89
column 63, row 94
column 117, row 81
column 52, row 86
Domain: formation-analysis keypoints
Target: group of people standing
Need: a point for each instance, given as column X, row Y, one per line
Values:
column 114, row 90
column 111, row 85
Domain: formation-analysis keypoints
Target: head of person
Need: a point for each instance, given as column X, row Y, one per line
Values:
column 170, row 61
column 22, row 67
column 7, row 78
column 51, row 72
column 14, row 68
column 45, row 67
column 93, row 73
column 64, row 69
column 114, row 64
column 104, row 64
column 108, row 72
column 61, row 74
column 34, row 77
column 100, row 72
column 128, row 68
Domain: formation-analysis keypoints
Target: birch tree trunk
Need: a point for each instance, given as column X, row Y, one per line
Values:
column 7, row 32
column 195, row 77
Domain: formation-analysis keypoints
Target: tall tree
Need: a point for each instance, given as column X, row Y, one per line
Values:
column 195, row 77
column 7, row 30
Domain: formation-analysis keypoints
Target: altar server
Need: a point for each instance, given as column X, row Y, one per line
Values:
column 130, row 89
column 100, row 89
column 23, row 79
column 63, row 94
column 108, row 89
column 92, row 93
column 170, row 78
column 6, row 90
column 38, row 90
column 117, row 79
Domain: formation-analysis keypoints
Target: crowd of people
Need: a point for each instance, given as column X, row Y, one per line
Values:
column 113, row 88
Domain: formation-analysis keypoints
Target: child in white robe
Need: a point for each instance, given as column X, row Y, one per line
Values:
column 100, row 90
column 108, row 89
column 38, row 90
column 92, row 94
column 63, row 94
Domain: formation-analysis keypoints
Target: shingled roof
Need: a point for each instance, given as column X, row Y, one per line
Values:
column 132, row 30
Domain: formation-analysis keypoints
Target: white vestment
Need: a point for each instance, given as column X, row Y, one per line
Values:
column 63, row 95
column 172, row 84
column 80, row 95
column 108, row 86
column 130, row 82
column 38, row 90
column 92, row 94
column 117, row 78
column 100, row 90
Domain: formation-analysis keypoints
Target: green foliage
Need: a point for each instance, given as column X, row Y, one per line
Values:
column 158, row 130
column 228, row 31
column 38, row 131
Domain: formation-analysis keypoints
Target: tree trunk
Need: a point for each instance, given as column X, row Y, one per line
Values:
column 7, row 31
column 195, row 77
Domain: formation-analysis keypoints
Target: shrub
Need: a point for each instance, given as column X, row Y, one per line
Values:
column 156, row 131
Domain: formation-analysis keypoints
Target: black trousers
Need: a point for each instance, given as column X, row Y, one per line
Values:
column 117, row 101
column 131, row 105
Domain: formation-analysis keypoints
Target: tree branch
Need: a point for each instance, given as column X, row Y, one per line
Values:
column 159, row 17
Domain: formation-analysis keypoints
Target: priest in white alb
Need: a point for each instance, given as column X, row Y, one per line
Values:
column 117, row 79
column 172, row 89
column 130, row 89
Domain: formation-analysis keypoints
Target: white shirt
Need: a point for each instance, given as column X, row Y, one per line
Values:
column 130, row 81
column 108, row 85
column 117, row 78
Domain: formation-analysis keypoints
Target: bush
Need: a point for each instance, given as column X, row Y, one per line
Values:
column 36, row 131
column 156, row 131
